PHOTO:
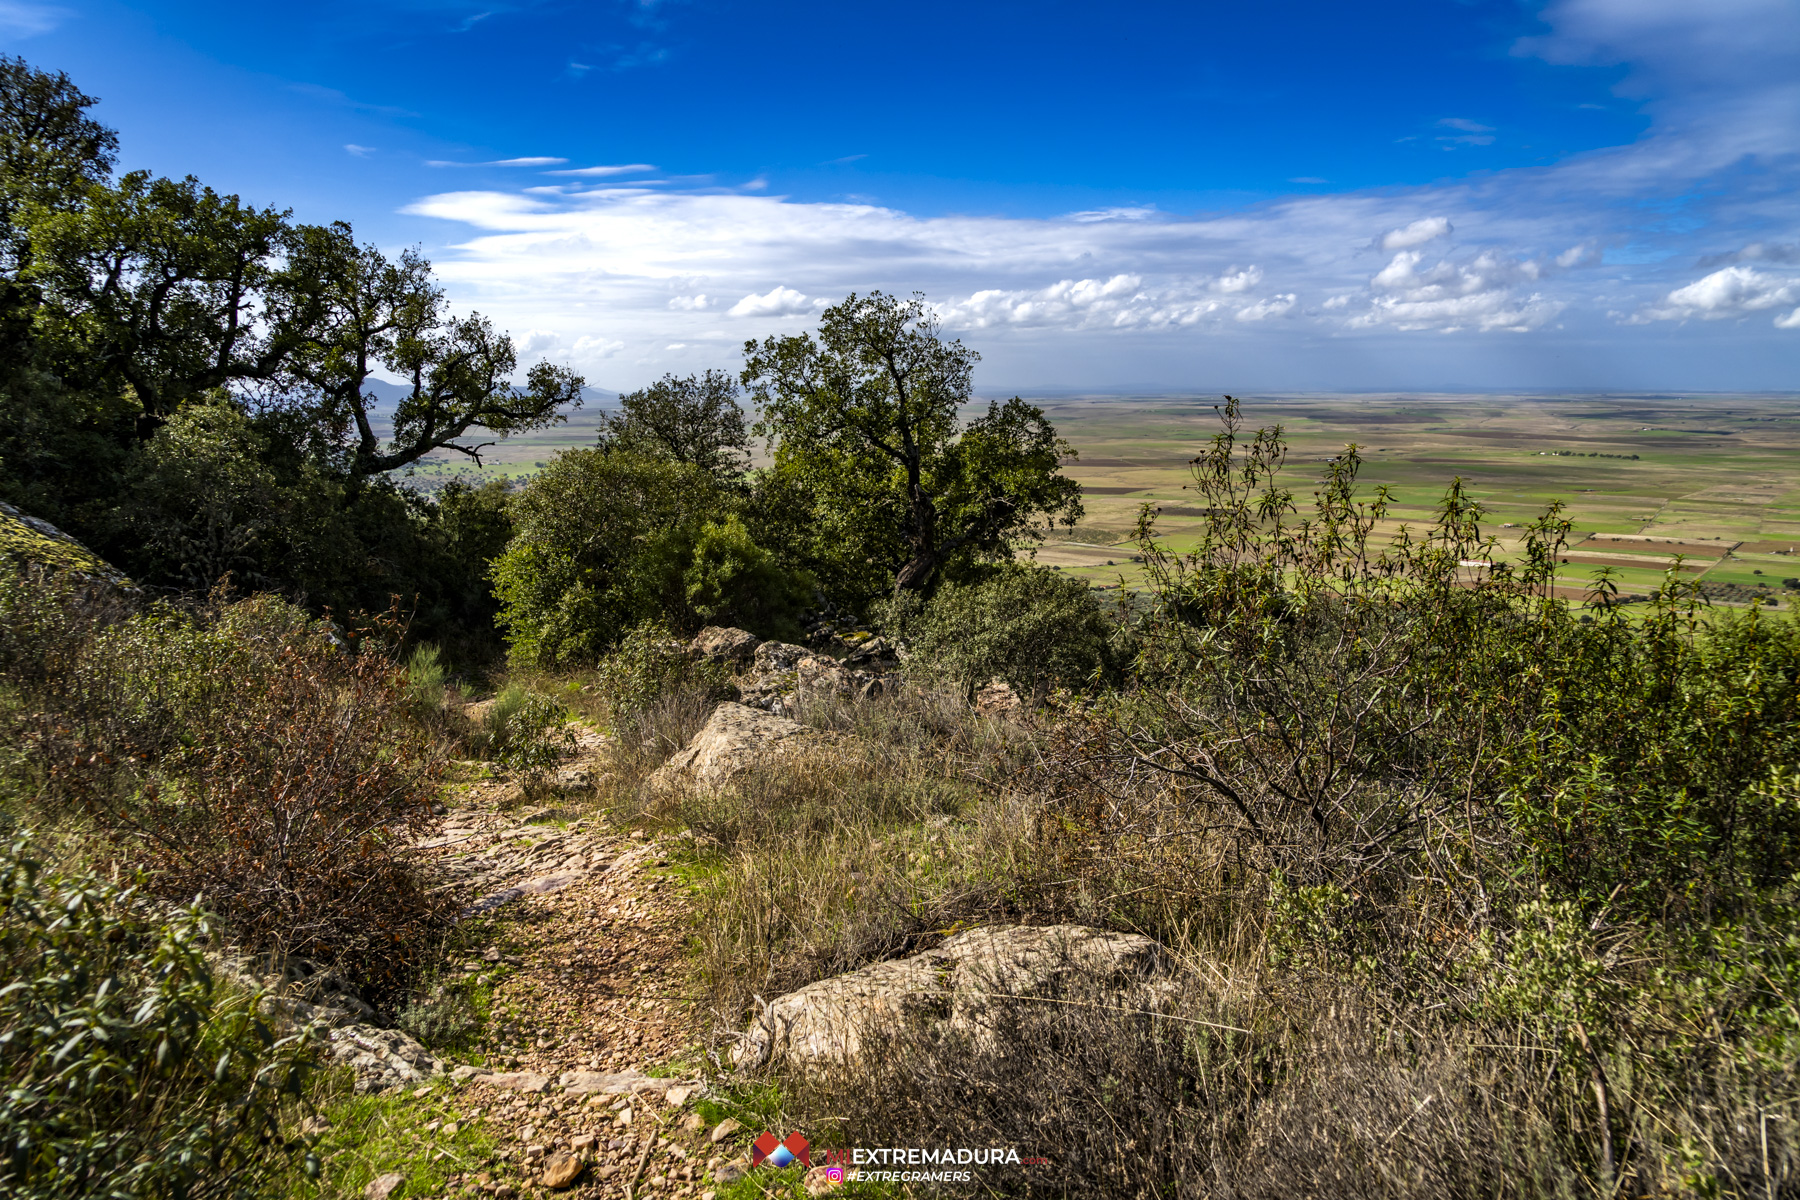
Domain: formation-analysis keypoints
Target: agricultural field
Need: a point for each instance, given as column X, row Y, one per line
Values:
column 1713, row 479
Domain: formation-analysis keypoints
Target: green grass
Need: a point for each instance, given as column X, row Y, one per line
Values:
column 373, row 1135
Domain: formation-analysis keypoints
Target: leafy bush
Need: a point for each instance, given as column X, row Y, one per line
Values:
column 525, row 731
column 602, row 543
column 1027, row 625
column 129, row 1068
column 650, row 663
column 733, row 581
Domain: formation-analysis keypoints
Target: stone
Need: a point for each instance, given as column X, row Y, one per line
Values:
column 465, row 1073
column 451, row 1129
column 581, row 1143
column 622, row 1083
column 721, row 644
column 997, row 699
column 777, row 658
column 693, row 1123
column 381, row 1059
column 314, row 1126
column 950, row 987
column 562, row 1170
column 724, row 1129
column 727, row 1173
column 383, row 1186
column 516, row 1081
column 734, row 739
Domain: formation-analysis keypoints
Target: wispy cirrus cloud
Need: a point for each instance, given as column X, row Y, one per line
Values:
column 534, row 161
column 18, row 19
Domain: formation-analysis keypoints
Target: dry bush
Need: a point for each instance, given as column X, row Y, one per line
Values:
column 240, row 753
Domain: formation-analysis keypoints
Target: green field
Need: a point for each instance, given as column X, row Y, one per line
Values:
column 1643, row 478
column 1715, row 479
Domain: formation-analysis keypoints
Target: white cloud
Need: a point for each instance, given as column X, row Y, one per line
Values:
column 698, row 303
column 29, row 20
column 596, row 172
column 1114, row 214
column 538, row 161
column 1791, row 321
column 1473, row 133
column 1728, row 293
column 777, row 302
column 1476, row 294
column 593, row 349
column 535, row 341
column 1234, row 280
column 359, row 151
column 1423, row 230
column 1274, row 306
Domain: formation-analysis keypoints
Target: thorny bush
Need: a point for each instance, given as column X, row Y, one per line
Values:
column 239, row 752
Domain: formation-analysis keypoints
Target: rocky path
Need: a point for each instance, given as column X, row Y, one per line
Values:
column 581, row 934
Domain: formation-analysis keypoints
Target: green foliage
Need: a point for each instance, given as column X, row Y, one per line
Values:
column 866, row 432
column 1028, row 625
column 650, row 663
column 733, row 581
column 694, row 421
column 185, row 383
column 609, row 540
column 130, row 1069
column 526, row 731
column 202, row 499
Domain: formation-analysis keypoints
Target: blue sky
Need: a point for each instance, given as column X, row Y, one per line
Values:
column 1421, row 194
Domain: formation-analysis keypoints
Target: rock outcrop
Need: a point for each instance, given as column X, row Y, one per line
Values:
column 735, row 738
column 951, row 989
column 733, row 646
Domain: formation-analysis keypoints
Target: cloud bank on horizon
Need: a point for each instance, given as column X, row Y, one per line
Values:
column 1683, row 229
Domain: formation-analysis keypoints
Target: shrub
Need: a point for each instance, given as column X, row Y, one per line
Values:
column 733, row 581
column 602, row 543
column 525, row 731
column 1026, row 625
column 130, row 1069
column 650, row 663
column 239, row 752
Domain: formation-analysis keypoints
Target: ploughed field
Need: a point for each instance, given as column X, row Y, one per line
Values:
column 1713, row 479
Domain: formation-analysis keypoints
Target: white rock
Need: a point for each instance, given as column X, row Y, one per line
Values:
column 950, row 987
column 735, row 738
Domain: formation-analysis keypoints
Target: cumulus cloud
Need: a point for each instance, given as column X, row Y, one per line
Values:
column 1274, row 306
column 1728, row 293
column 777, row 302
column 593, row 349
column 698, row 303
column 1480, row 293
column 1234, row 280
column 535, row 341
column 1423, row 230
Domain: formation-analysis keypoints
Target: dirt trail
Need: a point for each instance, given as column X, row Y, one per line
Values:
column 592, row 932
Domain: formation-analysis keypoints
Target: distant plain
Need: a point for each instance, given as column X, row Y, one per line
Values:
column 1716, row 478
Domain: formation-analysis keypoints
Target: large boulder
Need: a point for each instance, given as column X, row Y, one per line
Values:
column 736, row 647
column 951, row 989
column 735, row 738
